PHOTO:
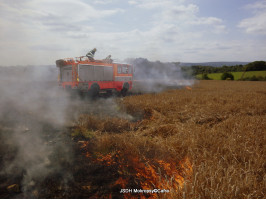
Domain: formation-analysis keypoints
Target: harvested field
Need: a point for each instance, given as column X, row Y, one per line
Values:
column 205, row 141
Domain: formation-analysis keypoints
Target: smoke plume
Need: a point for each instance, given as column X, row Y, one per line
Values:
column 157, row 76
column 32, row 118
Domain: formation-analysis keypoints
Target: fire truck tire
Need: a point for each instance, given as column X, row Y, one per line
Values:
column 95, row 89
column 109, row 93
column 125, row 89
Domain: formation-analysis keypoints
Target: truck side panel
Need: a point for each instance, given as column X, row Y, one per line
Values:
column 86, row 73
column 95, row 73
column 99, row 73
column 66, row 73
column 108, row 73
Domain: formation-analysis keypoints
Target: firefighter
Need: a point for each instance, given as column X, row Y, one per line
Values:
column 108, row 59
column 91, row 53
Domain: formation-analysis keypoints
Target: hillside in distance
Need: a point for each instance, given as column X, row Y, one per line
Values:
column 214, row 64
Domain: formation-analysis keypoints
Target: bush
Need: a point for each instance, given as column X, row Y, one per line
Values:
column 254, row 78
column 205, row 77
column 227, row 76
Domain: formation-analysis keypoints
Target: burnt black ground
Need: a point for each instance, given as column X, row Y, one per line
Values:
column 69, row 181
column 70, row 173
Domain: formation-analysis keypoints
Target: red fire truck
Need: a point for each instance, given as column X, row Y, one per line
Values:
column 84, row 74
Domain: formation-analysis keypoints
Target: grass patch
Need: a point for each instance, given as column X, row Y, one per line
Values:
column 237, row 75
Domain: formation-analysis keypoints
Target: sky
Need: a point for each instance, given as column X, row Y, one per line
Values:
column 42, row 31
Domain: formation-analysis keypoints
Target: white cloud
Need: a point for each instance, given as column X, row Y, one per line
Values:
column 179, row 13
column 182, row 15
column 257, row 5
column 151, row 4
column 132, row 2
column 60, row 13
column 104, row 2
column 58, row 23
column 168, row 30
column 35, row 31
column 207, row 21
column 257, row 23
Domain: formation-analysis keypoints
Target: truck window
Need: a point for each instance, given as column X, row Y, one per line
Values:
column 125, row 69
column 119, row 69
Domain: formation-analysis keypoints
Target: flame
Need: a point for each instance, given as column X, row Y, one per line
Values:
column 168, row 177
column 145, row 174
column 83, row 144
column 107, row 159
column 121, row 182
column 188, row 88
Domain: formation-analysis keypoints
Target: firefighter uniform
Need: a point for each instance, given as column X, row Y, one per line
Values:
column 90, row 54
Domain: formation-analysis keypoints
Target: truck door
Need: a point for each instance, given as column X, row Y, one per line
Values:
column 66, row 73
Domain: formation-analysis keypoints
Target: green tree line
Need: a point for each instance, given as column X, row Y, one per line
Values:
column 198, row 69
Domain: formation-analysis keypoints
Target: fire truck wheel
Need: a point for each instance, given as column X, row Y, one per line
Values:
column 94, row 91
column 125, row 89
column 109, row 93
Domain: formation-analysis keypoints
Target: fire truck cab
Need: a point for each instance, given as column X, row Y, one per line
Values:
column 84, row 74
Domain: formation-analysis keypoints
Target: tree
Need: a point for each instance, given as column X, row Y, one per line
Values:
column 256, row 66
column 205, row 77
column 227, row 75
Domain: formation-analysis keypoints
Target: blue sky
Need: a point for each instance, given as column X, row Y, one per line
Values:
column 40, row 32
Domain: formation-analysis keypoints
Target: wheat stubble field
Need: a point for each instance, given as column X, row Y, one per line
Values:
column 219, row 126
column 203, row 141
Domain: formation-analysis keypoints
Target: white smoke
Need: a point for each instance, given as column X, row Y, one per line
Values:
column 32, row 110
column 157, row 76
